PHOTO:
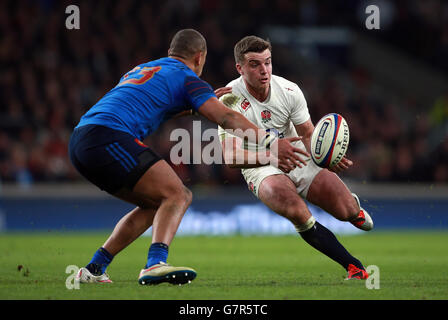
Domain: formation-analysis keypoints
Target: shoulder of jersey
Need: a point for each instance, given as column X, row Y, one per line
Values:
column 231, row 100
column 234, row 99
column 287, row 86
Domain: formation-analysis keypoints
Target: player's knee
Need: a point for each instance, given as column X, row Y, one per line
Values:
column 347, row 211
column 181, row 196
column 187, row 195
column 296, row 213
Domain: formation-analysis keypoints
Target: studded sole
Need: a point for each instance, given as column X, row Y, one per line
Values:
column 176, row 277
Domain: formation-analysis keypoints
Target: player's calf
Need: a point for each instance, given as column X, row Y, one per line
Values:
column 323, row 240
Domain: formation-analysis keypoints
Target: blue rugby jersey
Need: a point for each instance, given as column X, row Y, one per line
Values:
column 148, row 95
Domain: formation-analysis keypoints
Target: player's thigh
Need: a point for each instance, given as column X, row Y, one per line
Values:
column 331, row 194
column 141, row 201
column 110, row 159
column 156, row 185
column 279, row 193
column 120, row 164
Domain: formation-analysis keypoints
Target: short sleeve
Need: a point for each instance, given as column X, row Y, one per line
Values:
column 197, row 91
column 299, row 110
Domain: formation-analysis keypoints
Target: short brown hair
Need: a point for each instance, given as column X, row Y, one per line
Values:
column 186, row 43
column 250, row 44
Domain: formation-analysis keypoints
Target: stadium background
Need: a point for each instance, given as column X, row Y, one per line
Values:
column 390, row 84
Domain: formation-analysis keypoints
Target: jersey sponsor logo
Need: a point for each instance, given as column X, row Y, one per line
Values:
column 289, row 89
column 245, row 104
column 266, row 116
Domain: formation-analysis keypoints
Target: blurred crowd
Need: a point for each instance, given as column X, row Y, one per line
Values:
column 51, row 75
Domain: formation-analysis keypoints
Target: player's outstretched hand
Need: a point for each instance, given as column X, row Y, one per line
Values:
column 344, row 164
column 222, row 91
column 287, row 154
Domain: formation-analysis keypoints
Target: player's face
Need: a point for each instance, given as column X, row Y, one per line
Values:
column 256, row 69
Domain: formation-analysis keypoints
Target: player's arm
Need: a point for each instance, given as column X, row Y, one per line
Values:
column 306, row 131
column 217, row 112
column 235, row 156
column 183, row 114
column 287, row 154
column 222, row 91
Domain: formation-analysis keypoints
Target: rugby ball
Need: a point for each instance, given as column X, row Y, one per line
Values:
column 329, row 141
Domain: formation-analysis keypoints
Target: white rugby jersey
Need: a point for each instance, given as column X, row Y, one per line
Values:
column 285, row 107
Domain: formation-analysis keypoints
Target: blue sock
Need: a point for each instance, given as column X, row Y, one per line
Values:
column 157, row 252
column 100, row 261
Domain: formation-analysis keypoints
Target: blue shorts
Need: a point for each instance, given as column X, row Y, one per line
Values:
column 109, row 158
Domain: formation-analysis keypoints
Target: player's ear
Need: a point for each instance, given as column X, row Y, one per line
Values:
column 197, row 58
column 238, row 68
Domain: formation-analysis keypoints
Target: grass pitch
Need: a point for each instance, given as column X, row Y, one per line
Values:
column 411, row 264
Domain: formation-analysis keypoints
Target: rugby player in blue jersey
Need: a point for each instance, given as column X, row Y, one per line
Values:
column 106, row 148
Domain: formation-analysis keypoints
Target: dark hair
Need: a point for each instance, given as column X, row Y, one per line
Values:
column 250, row 44
column 186, row 43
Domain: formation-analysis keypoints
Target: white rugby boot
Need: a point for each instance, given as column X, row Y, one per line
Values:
column 85, row 276
column 163, row 272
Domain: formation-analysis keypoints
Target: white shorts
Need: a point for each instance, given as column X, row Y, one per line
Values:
column 301, row 177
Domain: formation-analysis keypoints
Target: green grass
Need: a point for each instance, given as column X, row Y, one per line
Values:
column 411, row 266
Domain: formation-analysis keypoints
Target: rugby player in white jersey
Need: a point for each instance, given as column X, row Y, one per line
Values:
column 278, row 105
